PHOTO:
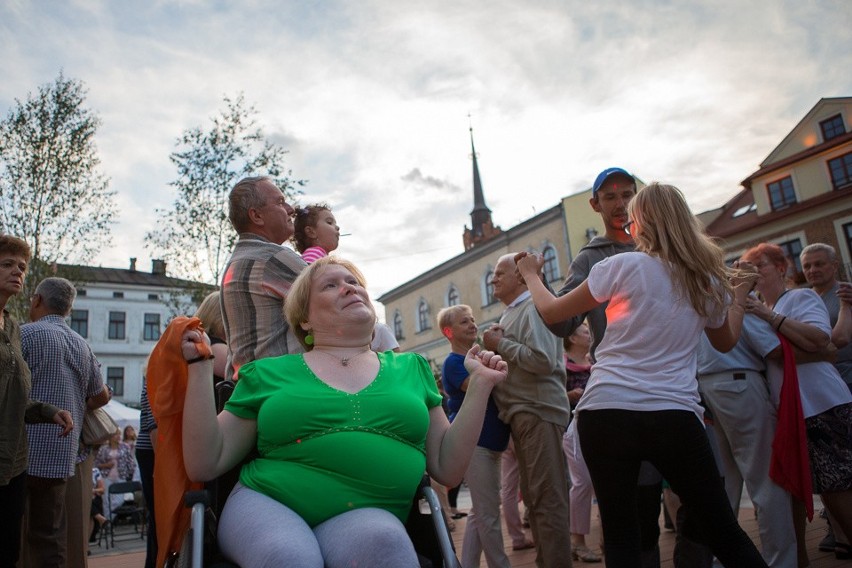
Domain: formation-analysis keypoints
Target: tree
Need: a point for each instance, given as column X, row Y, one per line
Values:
column 51, row 192
column 195, row 236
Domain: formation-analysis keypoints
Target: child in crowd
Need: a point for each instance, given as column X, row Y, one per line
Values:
column 316, row 232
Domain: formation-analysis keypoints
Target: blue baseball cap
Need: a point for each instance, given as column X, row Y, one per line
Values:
column 604, row 175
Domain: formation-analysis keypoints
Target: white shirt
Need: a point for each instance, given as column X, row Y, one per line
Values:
column 647, row 358
column 820, row 385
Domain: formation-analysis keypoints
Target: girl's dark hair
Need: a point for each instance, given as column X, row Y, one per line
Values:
column 306, row 217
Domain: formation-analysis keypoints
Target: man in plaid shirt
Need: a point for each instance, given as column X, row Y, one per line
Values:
column 65, row 373
column 258, row 275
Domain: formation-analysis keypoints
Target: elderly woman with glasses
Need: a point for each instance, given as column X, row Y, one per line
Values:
column 800, row 315
column 343, row 433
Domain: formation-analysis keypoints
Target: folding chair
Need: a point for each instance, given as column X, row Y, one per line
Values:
column 131, row 509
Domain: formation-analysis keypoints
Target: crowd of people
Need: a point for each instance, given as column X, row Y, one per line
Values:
column 600, row 389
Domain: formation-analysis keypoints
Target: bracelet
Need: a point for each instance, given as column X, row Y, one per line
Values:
column 200, row 358
column 780, row 323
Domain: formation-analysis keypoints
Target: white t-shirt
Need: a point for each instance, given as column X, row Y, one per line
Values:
column 647, row 358
column 820, row 385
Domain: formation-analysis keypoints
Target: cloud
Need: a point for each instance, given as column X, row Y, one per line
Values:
column 372, row 99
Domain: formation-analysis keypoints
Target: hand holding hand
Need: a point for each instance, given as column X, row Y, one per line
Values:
column 64, row 419
column 529, row 265
column 486, row 364
column 744, row 280
column 491, row 337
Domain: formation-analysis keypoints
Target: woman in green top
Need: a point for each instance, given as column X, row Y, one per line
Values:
column 344, row 434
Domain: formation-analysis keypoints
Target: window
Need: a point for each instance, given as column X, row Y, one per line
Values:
column 840, row 170
column 781, row 193
column 453, row 298
column 488, row 289
column 397, row 326
column 151, row 331
column 116, row 325
column 118, row 294
column 154, row 297
column 792, row 250
column 832, row 127
column 115, row 380
column 423, row 316
column 81, row 292
column 744, row 209
column 551, row 265
column 80, row 322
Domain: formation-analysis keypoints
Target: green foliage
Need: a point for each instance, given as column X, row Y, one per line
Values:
column 195, row 236
column 51, row 192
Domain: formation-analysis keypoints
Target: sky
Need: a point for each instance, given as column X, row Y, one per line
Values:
column 373, row 99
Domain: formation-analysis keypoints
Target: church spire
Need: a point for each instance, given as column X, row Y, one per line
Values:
column 482, row 228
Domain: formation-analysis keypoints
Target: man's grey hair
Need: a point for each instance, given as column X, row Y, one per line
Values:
column 820, row 247
column 58, row 295
column 244, row 196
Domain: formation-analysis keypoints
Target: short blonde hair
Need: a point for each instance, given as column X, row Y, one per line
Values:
column 297, row 304
column 447, row 316
column 210, row 314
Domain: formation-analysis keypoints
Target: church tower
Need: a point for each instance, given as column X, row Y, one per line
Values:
column 482, row 229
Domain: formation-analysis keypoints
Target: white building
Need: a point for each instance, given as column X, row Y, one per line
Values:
column 122, row 312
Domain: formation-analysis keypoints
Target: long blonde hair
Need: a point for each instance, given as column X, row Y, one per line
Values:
column 668, row 230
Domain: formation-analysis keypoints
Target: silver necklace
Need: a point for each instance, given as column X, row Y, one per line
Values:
column 344, row 361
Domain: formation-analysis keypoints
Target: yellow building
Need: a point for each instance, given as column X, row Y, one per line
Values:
column 801, row 193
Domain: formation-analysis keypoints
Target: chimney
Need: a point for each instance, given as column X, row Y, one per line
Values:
column 132, row 264
column 158, row 267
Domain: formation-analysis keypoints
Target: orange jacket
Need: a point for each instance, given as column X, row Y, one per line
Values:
column 167, row 379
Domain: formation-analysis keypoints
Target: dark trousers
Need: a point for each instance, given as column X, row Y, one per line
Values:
column 13, row 497
column 45, row 523
column 615, row 442
column 145, row 459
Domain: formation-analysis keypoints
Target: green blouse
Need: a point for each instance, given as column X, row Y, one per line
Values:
column 324, row 451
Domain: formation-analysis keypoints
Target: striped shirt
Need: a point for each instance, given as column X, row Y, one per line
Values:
column 313, row 254
column 255, row 283
column 146, row 420
column 65, row 373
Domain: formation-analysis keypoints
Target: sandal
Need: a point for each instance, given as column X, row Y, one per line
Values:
column 585, row 554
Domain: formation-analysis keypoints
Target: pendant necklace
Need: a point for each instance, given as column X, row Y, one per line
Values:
column 344, row 361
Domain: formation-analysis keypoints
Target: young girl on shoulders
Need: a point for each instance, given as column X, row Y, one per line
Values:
column 316, row 232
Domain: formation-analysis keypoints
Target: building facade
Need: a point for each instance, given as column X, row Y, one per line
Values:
column 801, row 193
column 122, row 313
column 412, row 308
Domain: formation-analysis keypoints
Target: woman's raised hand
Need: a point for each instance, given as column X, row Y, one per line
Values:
column 529, row 264
column 486, row 364
column 189, row 344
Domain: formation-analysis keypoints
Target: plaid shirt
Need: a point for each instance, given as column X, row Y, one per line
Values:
column 255, row 283
column 65, row 373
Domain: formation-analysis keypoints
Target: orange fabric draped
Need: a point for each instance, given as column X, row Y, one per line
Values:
column 167, row 378
column 790, row 466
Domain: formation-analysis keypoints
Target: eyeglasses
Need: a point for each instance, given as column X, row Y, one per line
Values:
column 626, row 227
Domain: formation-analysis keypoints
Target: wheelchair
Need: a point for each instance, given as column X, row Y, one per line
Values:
column 426, row 526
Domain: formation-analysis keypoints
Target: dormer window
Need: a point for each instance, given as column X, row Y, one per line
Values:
column 832, row 127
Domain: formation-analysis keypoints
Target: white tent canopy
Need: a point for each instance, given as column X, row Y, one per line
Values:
column 123, row 414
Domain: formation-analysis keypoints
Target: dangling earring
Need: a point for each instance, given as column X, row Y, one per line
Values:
column 309, row 338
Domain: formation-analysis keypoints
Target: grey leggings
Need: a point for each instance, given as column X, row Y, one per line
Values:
column 258, row 531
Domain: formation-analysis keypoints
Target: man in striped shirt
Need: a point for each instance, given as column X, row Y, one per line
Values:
column 259, row 274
